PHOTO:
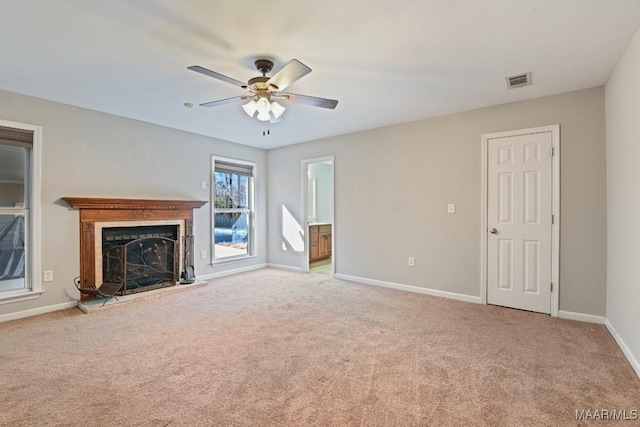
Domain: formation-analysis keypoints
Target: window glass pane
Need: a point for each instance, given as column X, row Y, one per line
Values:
column 13, row 169
column 231, row 191
column 12, row 252
column 231, row 234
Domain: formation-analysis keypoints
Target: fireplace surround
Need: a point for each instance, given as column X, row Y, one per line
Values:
column 139, row 220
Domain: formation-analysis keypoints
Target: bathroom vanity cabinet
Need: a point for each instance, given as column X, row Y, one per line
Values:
column 320, row 242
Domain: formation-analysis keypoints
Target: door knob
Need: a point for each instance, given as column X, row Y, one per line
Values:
column 493, row 231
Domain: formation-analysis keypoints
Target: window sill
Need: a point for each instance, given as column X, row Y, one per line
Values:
column 17, row 296
column 221, row 262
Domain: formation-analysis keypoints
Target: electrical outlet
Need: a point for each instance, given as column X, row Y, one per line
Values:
column 203, row 254
column 451, row 208
column 203, row 185
column 412, row 261
column 48, row 276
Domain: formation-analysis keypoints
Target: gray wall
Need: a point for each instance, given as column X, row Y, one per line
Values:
column 91, row 154
column 623, row 199
column 392, row 186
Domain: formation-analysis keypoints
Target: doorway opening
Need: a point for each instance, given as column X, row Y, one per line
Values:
column 318, row 215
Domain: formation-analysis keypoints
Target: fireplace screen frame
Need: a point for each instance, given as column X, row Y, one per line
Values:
column 100, row 226
column 131, row 262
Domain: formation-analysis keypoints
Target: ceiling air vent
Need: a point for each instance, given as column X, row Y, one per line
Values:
column 518, row 80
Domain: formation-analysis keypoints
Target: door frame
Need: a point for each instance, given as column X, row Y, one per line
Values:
column 305, row 215
column 555, row 209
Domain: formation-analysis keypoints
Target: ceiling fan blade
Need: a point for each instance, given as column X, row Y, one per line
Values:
column 206, row 72
column 309, row 100
column 223, row 101
column 293, row 71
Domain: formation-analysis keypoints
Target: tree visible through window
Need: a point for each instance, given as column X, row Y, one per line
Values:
column 232, row 209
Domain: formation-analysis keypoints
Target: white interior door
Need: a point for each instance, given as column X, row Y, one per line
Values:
column 519, row 221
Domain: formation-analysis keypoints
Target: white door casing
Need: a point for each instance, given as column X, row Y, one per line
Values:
column 305, row 214
column 520, row 227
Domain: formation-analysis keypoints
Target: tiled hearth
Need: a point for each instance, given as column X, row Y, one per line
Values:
column 98, row 304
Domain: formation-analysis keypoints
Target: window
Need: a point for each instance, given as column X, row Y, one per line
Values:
column 233, row 215
column 19, row 231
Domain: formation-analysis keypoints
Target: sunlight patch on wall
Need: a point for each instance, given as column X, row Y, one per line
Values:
column 291, row 232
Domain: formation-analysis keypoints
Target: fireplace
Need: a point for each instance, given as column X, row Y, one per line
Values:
column 139, row 242
column 142, row 257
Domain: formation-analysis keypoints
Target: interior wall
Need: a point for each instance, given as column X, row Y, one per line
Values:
column 623, row 198
column 393, row 184
column 90, row 154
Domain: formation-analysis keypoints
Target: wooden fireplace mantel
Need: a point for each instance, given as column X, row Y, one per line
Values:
column 93, row 210
column 100, row 209
column 101, row 203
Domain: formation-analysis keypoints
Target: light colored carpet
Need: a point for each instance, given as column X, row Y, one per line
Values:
column 272, row 347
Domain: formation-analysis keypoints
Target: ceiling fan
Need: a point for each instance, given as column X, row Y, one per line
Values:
column 263, row 90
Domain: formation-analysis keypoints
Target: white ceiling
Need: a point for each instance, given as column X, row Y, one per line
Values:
column 385, row 62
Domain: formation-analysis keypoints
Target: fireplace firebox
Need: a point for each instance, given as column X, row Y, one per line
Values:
column 142, row 258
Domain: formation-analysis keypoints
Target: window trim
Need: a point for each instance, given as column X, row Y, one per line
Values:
column 250, row 211
column 33, row 229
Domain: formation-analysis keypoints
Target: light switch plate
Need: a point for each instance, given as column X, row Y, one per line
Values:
column 451, row 208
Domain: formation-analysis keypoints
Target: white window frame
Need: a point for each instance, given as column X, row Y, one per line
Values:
column 33, row 277
column 250, row 211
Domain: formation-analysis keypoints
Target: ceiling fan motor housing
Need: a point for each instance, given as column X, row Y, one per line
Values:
column 264, row 66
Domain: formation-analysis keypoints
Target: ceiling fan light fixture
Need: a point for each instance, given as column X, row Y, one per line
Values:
column 263, row 106
column 263, row 116
column 250, row 108
column 277, row 109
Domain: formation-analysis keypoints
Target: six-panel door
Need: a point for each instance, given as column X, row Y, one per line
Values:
column 519, row 221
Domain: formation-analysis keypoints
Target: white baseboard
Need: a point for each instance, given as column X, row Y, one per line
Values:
column 230, row 272
column 581, row 317
column 409, row 288
column 623, row 346
column 36, row 311
column 285, row 267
